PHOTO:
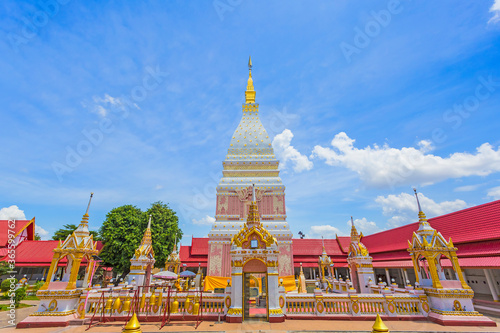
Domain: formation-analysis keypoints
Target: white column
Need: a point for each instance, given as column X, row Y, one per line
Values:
column 402, row 273
column 387, row 276
column 490, row 284
column 236, row 292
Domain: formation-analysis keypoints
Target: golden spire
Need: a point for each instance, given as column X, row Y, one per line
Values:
column 421, row 216
column 250, row 92
column 146, row 239
column 354, row 232
column 83, row 227
column 85, row 218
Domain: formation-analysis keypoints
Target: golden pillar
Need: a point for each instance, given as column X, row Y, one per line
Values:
column 458, row 270
column 53, row 266
column 434, row 274
column 74, row 271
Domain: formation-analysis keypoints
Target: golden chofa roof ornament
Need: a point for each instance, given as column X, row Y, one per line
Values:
column 250, row 92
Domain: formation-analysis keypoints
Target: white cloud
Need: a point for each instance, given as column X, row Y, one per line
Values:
column 11, row 213
column 207, row 220
column 494, row 193
column 365, row 226
column 326, row 230
column 388, row 167
column 403, row 207
column 42, row 232
column 285, row 152
column 103, row 105
column 467, row 188
column 495, row 9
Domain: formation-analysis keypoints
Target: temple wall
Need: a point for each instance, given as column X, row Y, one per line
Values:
column 285, row 258
column 268, row 205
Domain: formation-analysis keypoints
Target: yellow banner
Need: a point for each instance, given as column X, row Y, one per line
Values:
column 212, row 282
column 288, row 282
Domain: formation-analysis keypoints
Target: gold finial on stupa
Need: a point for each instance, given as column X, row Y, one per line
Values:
column 250, row 92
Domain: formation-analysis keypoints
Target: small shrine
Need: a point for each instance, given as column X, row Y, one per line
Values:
column 173, row 262
column 143, row 260
column 59, row 298
column 450, row 300
column 325, row 265
column 360, row 263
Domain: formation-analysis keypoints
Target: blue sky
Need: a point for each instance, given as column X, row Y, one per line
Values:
column 365, row 100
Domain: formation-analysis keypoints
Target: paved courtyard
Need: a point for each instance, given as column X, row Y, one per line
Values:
column 287, row 326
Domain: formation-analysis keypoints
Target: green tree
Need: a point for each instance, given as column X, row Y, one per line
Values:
column 164, row 230
column 67, row 230
column 37, row 236
column 4, row 267
column 121, row 234
column 124, row 227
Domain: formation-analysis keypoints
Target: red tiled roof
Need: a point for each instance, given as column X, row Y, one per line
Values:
column 199, row 246
column 191, row 260
column 314, row 247
column 487, row 248
column 19, row 225
column 393, row 255
column 40, row 253
column 479, row 223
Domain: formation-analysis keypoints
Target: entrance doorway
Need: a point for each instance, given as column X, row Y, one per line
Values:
column 255, row 296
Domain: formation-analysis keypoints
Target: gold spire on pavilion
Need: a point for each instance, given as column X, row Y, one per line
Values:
column 421, row 216
column 250, row 92
column 83, row 228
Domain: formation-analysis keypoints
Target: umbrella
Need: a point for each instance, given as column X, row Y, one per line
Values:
column 165, row 275
column 187, row 274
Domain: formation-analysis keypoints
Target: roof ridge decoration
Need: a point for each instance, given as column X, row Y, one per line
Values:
column 356, row 248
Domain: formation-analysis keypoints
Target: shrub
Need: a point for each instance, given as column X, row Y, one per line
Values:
column 6, row 284
column 37, row 286
column 20, row 294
